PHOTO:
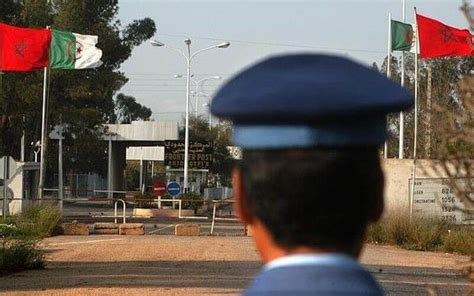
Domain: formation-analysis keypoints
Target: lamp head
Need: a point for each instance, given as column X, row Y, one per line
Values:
column 223, row 45
column 187, row 41
column 156, row 43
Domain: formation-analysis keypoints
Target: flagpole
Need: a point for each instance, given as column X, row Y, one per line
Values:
column 43, row 135
column 22, row 141
column 389, row 58
column 5, row 166
column 415, row 134
column 44, row 124
column 402, row 118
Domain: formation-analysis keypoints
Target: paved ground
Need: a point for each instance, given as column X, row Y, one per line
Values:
column 168, row 265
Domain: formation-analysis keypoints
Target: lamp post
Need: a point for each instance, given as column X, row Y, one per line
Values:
column 208, row 105
column 188, row 56
column 197, row 84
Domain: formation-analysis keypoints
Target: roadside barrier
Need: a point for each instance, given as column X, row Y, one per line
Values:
column 215, row 217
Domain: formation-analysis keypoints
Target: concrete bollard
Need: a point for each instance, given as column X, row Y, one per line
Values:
column 187, row 230
column 75, row 229
column 106, row 228
column 132, row 229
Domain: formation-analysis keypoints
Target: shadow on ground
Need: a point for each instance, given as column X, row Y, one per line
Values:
column 399, row 280
column 134, row 274
column 395, row 280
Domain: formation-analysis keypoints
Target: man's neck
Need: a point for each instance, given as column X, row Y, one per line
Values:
column 269, row 250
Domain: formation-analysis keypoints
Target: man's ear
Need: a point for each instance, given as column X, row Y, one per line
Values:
column 242, row 206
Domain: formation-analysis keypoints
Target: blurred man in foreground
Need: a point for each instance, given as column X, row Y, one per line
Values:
column 310, row 180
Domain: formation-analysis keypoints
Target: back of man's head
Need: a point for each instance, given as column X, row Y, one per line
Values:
column 317, row 198
column 310, row 127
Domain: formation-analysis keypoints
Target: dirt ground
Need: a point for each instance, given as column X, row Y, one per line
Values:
column 169, row 265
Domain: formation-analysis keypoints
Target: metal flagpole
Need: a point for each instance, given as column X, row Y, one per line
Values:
column 22, row 142
column 5, row 167
column 43, row 135
column 60, row 168
column 5, row 186
column 389, row 58
column 402, row 117
column 109, row 172
column 415, row 135
column 44, row 118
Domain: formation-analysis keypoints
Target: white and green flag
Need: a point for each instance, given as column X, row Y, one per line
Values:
column 403, row 37
column 74, row 51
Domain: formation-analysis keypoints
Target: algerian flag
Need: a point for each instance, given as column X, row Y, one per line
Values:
column 403, row 37
column 74, row 51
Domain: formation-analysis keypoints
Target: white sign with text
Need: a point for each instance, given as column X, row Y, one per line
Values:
column 436, row 198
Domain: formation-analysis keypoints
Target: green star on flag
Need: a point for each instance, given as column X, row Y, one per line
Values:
column 74, row 51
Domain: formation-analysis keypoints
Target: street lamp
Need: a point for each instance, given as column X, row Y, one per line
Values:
column 188, row 56
column 197, row 83
column 208, row 105
column 37, row 145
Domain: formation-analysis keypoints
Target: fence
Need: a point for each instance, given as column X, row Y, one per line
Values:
column 215, row 217
column 81, row 185
column 218, row 193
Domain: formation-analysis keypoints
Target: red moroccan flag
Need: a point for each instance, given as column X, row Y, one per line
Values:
column 23, row 49
column 439, row 40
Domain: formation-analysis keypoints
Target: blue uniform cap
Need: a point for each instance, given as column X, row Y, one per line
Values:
column 302, row 101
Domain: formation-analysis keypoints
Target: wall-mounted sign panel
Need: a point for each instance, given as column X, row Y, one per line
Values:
column 435, row 198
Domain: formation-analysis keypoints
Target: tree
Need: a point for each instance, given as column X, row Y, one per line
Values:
column 468, row 13
column 82, row 100
column 220, row 135
column 128, row 110
column 445, row 91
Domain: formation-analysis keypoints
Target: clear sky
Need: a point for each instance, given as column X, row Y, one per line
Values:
column 256, row 29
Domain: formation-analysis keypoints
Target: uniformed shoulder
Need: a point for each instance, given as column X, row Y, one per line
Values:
column 305, row 280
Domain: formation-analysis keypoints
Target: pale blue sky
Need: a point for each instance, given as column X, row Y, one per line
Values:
column 256, row 29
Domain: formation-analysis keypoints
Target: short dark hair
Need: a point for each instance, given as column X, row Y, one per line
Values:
column 314, row 197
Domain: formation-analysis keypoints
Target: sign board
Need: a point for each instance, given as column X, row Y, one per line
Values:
column 200, row 155
column 174, row 188
column 11, row 167
column 435, row 198
column 159, row 188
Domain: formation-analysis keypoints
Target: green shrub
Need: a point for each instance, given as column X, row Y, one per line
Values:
column 39, row 221
column 425, row 234
column 19, row 238
column 191, row 201
column 10, row 220
column 421, row 234
column 392, row 229
column 376, row 234
column 19, row 254
column 145, row 200
column 11, row 230
column 459, row 240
